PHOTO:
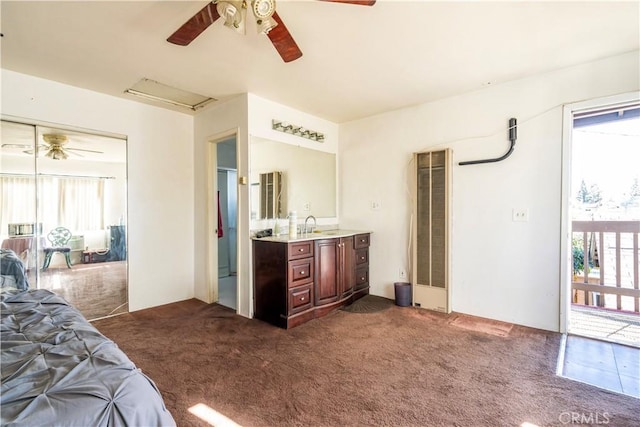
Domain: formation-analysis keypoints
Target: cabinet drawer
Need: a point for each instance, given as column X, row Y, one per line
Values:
column 301, row 249
column 300, row 298
column 362, row 241
column 362, row 278
column 362, row 256
column 300, row 272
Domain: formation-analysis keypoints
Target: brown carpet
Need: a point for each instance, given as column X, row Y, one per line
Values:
column 478, row 324
column 400, row 366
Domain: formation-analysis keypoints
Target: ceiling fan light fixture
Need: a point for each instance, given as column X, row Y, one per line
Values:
column 232, row 12
column 56, row 153
column 263, row 8
column 55, row 139
column 263, row 11
column 266, row 25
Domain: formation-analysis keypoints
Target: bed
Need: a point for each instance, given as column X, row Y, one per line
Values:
column 12, row 271
column 57, row 369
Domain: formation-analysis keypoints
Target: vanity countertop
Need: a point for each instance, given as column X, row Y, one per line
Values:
column 324, row 234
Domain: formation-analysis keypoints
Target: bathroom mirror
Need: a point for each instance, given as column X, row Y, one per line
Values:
column 308, row 178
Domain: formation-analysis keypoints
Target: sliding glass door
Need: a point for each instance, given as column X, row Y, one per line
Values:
column 64, row 213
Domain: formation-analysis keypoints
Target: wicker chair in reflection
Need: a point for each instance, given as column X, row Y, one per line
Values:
column 59, row 237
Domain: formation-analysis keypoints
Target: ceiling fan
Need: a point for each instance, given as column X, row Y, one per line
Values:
column 234, row 12
column 54, row 147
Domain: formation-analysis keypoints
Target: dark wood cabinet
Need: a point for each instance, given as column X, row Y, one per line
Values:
column 335, row 269
column 361, row 246
column 347, row 276
column 297, row 281
column 283, row 281
column 327, row 260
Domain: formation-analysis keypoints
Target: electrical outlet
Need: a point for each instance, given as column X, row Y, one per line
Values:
column 375, row 205
column 520, row 215
column 306, row 206
column 402, row 273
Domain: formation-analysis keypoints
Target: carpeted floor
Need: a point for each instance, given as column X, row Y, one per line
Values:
column 398, row 366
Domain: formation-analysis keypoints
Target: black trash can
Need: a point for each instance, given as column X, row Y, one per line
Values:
column 403, row 293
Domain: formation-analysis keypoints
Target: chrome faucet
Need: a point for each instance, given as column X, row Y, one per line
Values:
column 315, row 224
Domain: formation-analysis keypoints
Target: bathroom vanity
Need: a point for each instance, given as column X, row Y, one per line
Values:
column 298, row 279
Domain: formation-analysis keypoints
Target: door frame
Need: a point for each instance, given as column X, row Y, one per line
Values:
column 569, row 111
column 211, row 252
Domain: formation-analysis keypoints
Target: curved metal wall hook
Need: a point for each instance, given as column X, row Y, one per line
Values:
column 513, row 135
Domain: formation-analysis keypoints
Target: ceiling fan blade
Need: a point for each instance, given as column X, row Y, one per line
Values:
column 17, row 145
column 195, row 26
column 81, row 149
column 358, row 2
column 283, row 42
column 73, row 152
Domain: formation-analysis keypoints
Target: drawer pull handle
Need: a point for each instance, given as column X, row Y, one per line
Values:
column 301, row 250
column 362, row 278
column 302, row 272
column 361, row 257
column 301, row 298
column 363, row 240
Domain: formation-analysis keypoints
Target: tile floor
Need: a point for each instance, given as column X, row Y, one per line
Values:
column 607, row 365
column 228, row 291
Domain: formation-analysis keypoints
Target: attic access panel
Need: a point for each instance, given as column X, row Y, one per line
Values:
column 156, row 91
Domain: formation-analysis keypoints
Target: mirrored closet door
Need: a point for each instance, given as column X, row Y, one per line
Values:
column 63, row 214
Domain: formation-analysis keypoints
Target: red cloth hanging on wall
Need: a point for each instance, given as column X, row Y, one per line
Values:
column 220, row 232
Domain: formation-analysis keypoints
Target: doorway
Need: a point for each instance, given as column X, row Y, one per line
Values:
column 223, row 203
column 601, row 200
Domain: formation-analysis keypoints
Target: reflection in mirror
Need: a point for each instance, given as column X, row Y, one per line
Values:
column 78, row 248
column 308, row 179
column 270, row 195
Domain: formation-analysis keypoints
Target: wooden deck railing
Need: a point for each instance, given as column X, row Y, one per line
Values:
column 619, row 267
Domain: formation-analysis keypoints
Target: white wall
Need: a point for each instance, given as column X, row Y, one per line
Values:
column 501, row 269
column 160, row 176
column 262, row 111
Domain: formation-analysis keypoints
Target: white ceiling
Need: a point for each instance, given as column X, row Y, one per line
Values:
column 358, row 61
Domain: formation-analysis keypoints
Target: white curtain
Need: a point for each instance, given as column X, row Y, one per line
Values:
column 74, row 203
column 48, row 203
column 81, row 204
column 18, row 201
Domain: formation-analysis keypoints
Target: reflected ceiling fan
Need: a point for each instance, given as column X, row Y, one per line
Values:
column 54, row 147
column 234, row 12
